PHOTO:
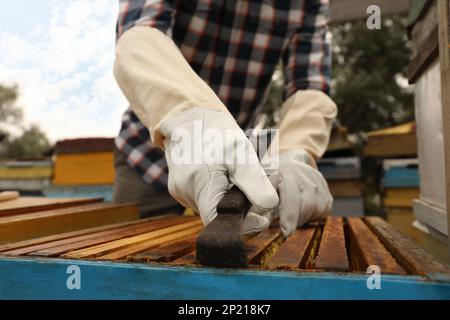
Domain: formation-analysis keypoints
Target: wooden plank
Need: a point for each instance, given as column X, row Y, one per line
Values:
column 348, row 10
column 106, row 236
column 395, row 145
column 84, row 169
column 431, row 215
column 346, row 188
column 294, row 252
column 189, row 259
column 444, row 59
column 35, row 204
column 398, row 177
column 25, row 170
column 401, row 129
column 424, row 57
column 256, row 246
column 413, row 259
column 332, row 253
column 55, row 248
column 8, row 195
column 66, row 235
column 404, row 221
column 25, row 173
column 40, row 224
column 368, row 250
column 167, row 252
column 428, row 100
column 24, row 185
column 400, row 197
column 84, row 145
column 102, row 249
column 313, row 251
column 46, row 279
column 425, row 43
column 152, row 243
column 340, row 168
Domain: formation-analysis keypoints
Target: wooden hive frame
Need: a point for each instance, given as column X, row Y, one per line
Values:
column 24, row 218
column 327, row 259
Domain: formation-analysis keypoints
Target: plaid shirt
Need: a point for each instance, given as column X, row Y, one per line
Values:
column 235, row 47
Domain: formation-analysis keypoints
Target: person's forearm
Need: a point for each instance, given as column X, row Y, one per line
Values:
column 157, row 80
column 305, row 122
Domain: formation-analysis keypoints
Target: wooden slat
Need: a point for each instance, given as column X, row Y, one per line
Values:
column 25, row 171
column 57, row 248
column 152, row 243
column 312, row 254
column 413, row 259
column 294, row 251
column 8, row 195
column 103, row 249
column 84, row 145
column 345, row 188
column 66, row 235
column 256, row 246
column 188, row 259
column 395, row 145
column 428, row 53
column 44, row 223
column 369, row 250
column 424, row 43
column 167, row 252
column 34, row 204
column 332, row 253
column 444, row 60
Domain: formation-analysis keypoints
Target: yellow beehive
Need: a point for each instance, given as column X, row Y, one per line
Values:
column 400, row 197
column 84, row 162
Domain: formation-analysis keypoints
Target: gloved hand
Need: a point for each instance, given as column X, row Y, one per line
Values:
column 200, row 176
column 303, row 191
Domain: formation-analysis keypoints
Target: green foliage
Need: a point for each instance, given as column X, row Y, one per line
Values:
column 9, row 112
column 370, row 86
column 274, row 98
column 31, row 143
column 369, row 75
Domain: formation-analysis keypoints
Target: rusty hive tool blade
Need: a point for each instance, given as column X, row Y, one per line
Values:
column 221, row 244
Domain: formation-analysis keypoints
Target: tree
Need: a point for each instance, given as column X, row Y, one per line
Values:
column 9, row 112
column 370, row 86
column 369, row 75
column 274, row 99
column 31, row 143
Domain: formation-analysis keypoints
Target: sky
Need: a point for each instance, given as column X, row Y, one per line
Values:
column 60, row 54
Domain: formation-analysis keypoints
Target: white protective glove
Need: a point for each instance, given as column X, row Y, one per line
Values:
column 303, row 191
column 198, row 178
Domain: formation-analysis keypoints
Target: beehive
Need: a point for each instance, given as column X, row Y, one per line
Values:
column 338, row 244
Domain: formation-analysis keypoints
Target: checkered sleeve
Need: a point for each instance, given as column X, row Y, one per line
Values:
column 153, row 13
column 134, row 138
column 307, row 58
